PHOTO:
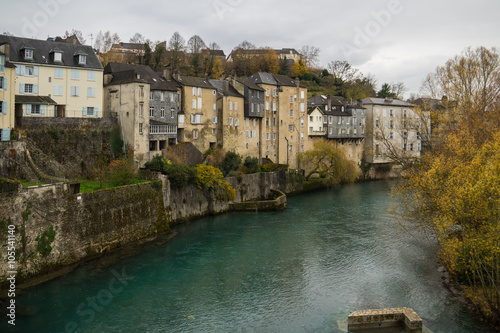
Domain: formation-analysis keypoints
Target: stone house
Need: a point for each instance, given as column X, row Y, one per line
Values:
column 54, row 79
column 7, row 93
column 197, row 121
column 146, row 106
column 392, row 129
column 284, row 132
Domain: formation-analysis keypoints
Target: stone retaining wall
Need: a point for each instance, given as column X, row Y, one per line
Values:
column 368, row 319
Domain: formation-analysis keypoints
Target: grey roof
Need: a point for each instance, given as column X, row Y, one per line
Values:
column 192, row 81
column 219, row 85
column 43, row 48
column 249, row 84
column 312, row 108
column 129, row 46
column 23, row 99
column 273, row 79
column 124, row 73
column 384, row 101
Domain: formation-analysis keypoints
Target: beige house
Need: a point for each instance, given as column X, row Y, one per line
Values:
column 285, row 126
column 239, row 129
column 392, row 131
column 7, row 94
column 146, row 106
column 198, row 116
column 54, row 79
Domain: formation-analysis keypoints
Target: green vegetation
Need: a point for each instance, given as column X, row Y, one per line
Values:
column 232, row 162
column 96, row 185
column 454, row 190
column 211, row 179
column 44, row 242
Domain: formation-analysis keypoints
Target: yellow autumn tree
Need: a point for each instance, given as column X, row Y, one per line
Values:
column 454, row 190
column 212, row 180
column 217, row 69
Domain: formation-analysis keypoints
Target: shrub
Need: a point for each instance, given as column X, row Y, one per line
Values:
column 158, row 163
column 211, row 179
column 232, row 162
column 251, row 164
column 180, row 175
column 121, row 172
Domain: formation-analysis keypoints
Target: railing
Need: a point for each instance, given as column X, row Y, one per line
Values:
column 162, row 129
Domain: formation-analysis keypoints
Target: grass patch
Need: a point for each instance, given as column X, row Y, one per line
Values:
column 29, row 184
column 95, row 185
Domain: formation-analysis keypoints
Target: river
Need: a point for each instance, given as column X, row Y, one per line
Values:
column 299, row 270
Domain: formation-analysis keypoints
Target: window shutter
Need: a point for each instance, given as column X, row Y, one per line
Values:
column 6, row 134
column 194, row 91
column 199, row 104
column 23, row 70
column 35, row 89
column 35, row 71
column 84, row 111
column 199, row 91
column 21, row 88
column 4, row 107
column 96, row 110
column 42, row 110
column 18, row 70
column 28, row 108
column 4, row 83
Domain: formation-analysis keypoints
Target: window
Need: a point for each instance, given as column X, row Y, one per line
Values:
column 172, row 113
column 214, row 120
column 195, row 134
column 236, row 122
column 162, row 96
column 267, row 105
column 35, row 108
column 28, row 54
column 230, row 106
column 302, row 136
column 391, row 124
column 325, row 119
column 274, row 136
column 274, row 106
column 230, row 121
column 199, row 91
column 82, row 59
column 199, row 103
column 151, row 111
column 376, row 123
column 302, row 94
column 141, row 91
column 196, row 119
column 29, row 88
column 29, row 71
column 75, row 91
column 267, row 121
column 90, row 111
column 162, row 112
column 2, row 63
column 194, row 91
column 391, row 113
column 274, row 93
column 311, row 118
column 302, row 107
column 290, row 147
column 90, row 92
column 151, row 95
column 267, row 91
column 3, row 83
column 140, row 128
column 58, row 73
column 57, row 56
column 418, row 136
column 141, row 109
column 90, row 76
column 214, row 92
column 235, row 106
column 193, row 106
column 58, row 90
column 290, row 128
column 291, row 113
column 215, row 106
column 267, row 136
column 302, row 122
column 75, row 74
column 391, row 135
column 291, row 99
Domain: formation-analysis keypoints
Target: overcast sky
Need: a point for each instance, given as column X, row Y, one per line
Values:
column 394, row 40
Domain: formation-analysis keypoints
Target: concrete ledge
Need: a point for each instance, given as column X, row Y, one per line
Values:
column 277, row 202
column 403, row 317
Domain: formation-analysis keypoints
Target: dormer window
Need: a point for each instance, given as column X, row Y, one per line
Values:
column 57, row 56
column 28, row 54
column 82, row 59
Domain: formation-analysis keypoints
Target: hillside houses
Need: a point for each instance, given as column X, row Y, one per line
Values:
column 265, row 115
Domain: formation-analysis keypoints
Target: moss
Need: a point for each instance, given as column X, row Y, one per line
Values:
column 27, row 213
column 44, row 242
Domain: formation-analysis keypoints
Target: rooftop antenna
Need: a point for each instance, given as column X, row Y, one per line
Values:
column 91, row 39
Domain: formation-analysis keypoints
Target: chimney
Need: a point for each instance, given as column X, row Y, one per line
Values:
column 389, row 99
column 107, row 79
column 329, row 103
column 5, row 49
column 167, row 74
column 225, row 88
column 176, row 75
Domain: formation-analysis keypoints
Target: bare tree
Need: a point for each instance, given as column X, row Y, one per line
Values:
column 342, row 70
column 398, row 89
column 196, row 44
column 78, row 35
column 137, row 38
column 246, row 45
column 176, row 48
column 104, row 41
column 310, row 56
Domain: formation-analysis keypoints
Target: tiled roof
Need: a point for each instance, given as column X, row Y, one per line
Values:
column 123, row 73
column 273, row 79
column 42, row 52
column 24, row 99
column 192, row 81
column 384, row 101
column 249, row 84
column 219, row 85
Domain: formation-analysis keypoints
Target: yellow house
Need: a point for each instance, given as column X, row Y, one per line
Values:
column 284, row 132
column 198, row 114
column 7, row 94
column 54, row 79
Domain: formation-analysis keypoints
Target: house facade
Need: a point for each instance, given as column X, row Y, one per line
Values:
column 392, row 130
column 146, row 106
column 7, row 94
column 284, row 133
column 54, row 79
column 197, row 121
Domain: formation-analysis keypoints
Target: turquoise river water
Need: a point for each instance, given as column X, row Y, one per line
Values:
column 300, row 270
